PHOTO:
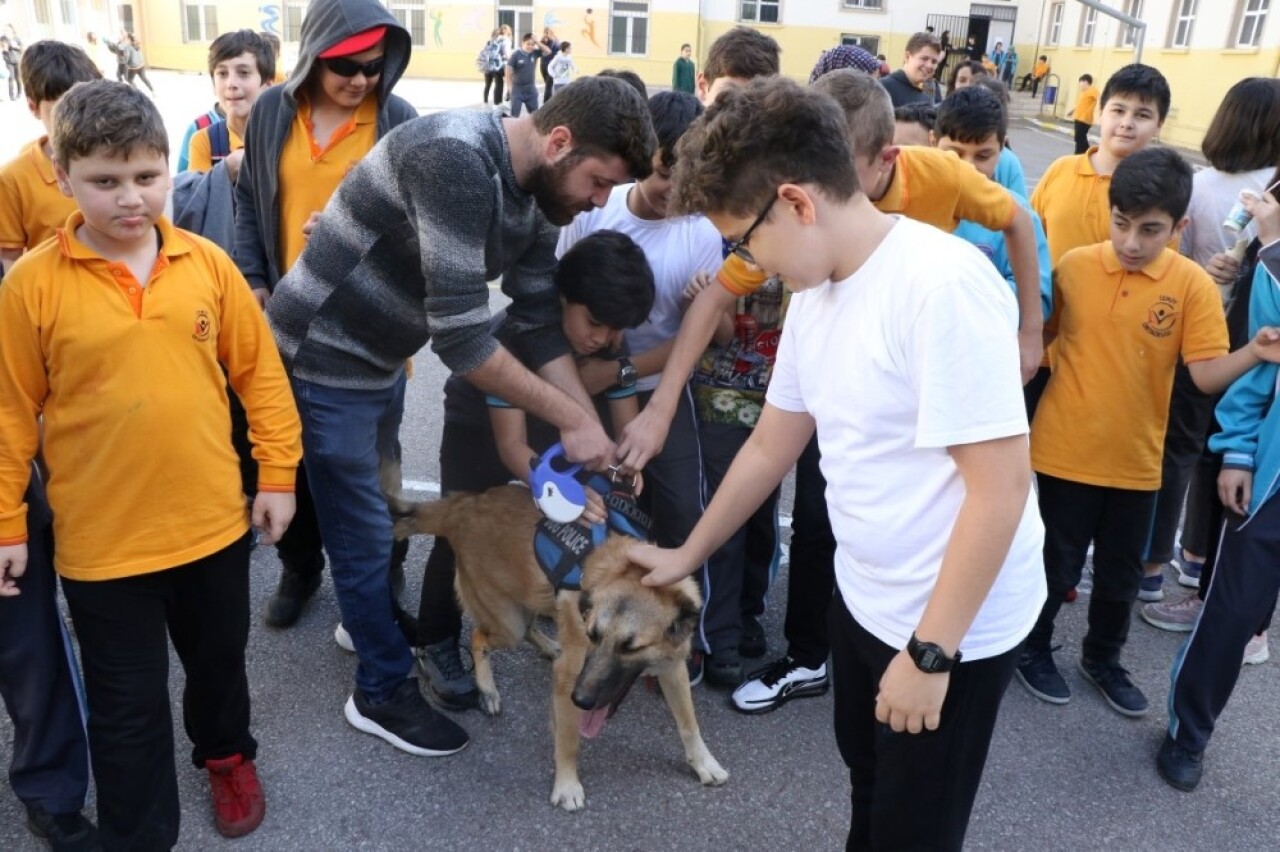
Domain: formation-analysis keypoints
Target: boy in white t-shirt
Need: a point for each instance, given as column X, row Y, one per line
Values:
column 562, row 68
column 678, row 249
column 901, row 348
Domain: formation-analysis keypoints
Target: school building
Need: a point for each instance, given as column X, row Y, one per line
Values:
column 1202, row 46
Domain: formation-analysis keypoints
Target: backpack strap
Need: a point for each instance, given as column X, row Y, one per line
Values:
column 219, row 141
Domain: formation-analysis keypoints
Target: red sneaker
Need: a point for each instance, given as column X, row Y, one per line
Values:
column 238, row 803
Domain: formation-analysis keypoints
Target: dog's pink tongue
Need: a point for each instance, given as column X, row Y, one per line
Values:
column 591, row 722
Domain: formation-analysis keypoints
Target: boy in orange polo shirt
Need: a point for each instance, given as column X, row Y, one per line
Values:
column 1086, row 105
column 31, row 206
column 1072, row 198
column 302, row 139
column 241, row 64
column 49, row 768
column 1124, row 311
column 150, row 520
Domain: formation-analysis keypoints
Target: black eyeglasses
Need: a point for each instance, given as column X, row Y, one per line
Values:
column 740, row 247
column 346, row 67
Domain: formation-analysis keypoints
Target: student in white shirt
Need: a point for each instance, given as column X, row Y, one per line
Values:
column 900, row 347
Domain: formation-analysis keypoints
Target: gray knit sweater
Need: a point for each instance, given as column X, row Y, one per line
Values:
column 402, row 253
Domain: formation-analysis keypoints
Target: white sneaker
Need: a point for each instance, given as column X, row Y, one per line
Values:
column 1256, row 652
column 777, row 683
column 343, row 638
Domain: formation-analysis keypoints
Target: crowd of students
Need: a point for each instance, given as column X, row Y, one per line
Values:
column 683, row 271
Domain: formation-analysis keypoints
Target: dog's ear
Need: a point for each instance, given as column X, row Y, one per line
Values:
column 584, row 604
column 681, row 628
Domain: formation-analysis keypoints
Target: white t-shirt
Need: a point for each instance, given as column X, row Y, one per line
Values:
column 913, row 353
column 1212, row 196
column 677, row 249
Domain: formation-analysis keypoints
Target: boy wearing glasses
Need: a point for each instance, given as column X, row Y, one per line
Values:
column 302, row 139
column 925, row 454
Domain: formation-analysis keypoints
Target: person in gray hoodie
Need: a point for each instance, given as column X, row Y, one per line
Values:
column 401, row 257
column 302, row 137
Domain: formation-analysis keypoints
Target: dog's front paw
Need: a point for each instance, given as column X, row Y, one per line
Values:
column 709, row 770
column 568, row 795
column 490, row 703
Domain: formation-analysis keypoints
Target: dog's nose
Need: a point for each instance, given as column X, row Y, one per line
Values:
column 583, row 700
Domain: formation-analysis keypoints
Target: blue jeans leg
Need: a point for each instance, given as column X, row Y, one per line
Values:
column 345, row 433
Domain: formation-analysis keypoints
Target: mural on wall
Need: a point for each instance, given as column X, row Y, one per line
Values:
column 437, row 20
column 550, row 19
column 270, row 22
column 589, row 29
column 474, row 22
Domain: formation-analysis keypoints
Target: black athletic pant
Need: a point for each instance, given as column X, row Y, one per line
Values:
column 49, row 765
column 1082, row 136
column 910, row 791
column 203, row 606
column 496, row 80
column 1190, row 416
column 141, row 74
column 1117, row 522
column 811, row 579
column 1241, row 595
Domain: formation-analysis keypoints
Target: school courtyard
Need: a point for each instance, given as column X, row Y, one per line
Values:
column 1058, row 778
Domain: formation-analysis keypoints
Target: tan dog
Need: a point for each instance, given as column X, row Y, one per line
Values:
column 611, row 632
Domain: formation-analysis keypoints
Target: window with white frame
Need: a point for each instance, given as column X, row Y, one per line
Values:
column 1128, row 34
column 412, row 15
column 1253, row 15
column 1088, row 25
column 869, row 43
column 517, row 14
column 760, row 11
column 293, row 11
column 861, row 4
column 629, row 27
column 67, row 10
column 199, row 22
column 1184, row 19
column 1055, row 24
column 42, row 13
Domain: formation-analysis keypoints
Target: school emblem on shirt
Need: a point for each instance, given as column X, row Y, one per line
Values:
column 1161, row 317
column 202, row 327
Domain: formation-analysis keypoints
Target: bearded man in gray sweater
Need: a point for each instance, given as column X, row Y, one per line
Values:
column 401, row 256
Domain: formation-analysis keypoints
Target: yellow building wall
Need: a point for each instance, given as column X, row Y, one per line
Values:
column 1198, row 79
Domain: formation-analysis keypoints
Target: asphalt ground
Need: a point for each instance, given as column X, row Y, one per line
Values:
column 1072, row 777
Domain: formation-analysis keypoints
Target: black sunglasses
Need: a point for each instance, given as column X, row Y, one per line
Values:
column 740, row 247
column 346, row 67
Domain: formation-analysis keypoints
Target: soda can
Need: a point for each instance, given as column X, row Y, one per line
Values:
column 1239, row 218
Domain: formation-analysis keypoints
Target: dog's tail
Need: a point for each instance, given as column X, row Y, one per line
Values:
column 412, row 518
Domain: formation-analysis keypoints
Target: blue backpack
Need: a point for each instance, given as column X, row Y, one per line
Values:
column 490, row 59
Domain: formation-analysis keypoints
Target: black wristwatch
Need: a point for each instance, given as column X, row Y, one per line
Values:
column 930, row 658
column 626, row 373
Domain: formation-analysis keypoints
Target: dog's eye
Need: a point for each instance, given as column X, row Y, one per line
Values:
column 630, row 646
column 594, row 635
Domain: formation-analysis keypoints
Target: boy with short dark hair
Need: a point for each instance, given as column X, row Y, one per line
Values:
column 684, row 74
column 133, row 567
column 924, row 575
column 241, row 64
column 913, row 124
column 31, row 207
column 1124, row 311
column 1072, row 197
column 1086, row 102
column 49, row 769
column 521, row 76
column 971, row 124
column 606, row 286
column 736, row 56
column 913, row 82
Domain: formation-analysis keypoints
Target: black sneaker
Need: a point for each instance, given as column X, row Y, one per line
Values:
column 752, row 644
column 1180, row 767
column 63, row 832
column 1039, row 674
column 447, row 678
column 1116, row 688
column 777, row 683
column 724, row 668
column 295, row 589
column 406, row 721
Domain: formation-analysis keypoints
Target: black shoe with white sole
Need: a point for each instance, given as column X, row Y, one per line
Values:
column 777, row 683
column 406, row 721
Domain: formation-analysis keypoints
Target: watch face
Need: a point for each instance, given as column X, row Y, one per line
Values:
column 928, row 659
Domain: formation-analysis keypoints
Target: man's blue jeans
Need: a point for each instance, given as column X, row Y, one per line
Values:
column 345, row 434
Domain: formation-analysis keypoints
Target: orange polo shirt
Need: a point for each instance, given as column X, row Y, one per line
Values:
column 1072, row 201
column 309, row 173
column 1103, row 415
column 32, row 207
column 200, row 148
column 1086, row 103
column 129, row 380
column 928, row 185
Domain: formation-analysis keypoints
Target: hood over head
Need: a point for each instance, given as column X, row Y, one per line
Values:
column 329, row 22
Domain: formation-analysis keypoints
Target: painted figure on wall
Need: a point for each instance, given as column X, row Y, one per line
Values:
column 437, row 19
column 270, row 18
column 589, row 28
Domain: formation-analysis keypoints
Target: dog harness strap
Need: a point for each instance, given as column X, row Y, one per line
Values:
column 560, row 550
column 626, row 517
